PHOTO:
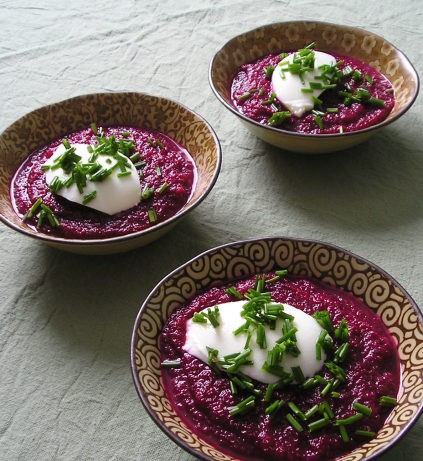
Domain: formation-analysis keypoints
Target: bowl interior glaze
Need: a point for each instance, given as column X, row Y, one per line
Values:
column 333, row 265
column 339, row 39
column 40, row 127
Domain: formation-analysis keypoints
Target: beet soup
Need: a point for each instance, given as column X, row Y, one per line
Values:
column 318, row 418
column 166, row 173
column 355, row 95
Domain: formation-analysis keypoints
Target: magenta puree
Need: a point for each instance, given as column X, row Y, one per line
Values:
column 201, row 397
column 354, row 117
column 76, row 221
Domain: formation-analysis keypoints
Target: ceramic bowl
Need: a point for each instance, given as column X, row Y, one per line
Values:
column 328, row 263
column 48, row 123
column 343, row 40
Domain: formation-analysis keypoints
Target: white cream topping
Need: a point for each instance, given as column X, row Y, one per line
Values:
column 202, row 335
column 287, row 86
column 113, row 194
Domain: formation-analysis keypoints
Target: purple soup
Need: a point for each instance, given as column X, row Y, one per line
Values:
column 201, row 396
column 252, row 90
column 163, row 160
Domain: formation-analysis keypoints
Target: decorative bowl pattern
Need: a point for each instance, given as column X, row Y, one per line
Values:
column 48, row 123
column 328, row 263
column 344, row 40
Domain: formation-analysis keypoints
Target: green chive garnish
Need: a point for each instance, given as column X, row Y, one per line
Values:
column 319, row 424
column 243, row 407
column 269, row 71
column 362, row 408
column 278, row 118
column 294, row 423
column 388, row 401
column 350, row 420
column 363, row 433
column 344, row 434
column 91, row 196
column 163, row 188
column 34, row 209
column 274, row 407
column 152, row 215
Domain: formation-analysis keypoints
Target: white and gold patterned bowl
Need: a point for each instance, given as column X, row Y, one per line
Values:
column 325, row 262
column 339, row 39
column 44, row 125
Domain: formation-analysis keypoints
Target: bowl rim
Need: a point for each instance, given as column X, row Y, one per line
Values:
column 134, row 337
column 276, row 130
column 67, row 242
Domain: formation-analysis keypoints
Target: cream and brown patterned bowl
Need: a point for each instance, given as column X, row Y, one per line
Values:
column 328, row 263
column 48, row 123
column 343, row 40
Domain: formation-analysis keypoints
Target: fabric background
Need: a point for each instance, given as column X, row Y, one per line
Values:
column 66, row 391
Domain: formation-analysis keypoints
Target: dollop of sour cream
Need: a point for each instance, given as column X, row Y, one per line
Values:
column 288, row 86
column 112, row 195
column 199, row 336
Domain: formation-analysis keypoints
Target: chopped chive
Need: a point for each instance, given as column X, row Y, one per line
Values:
column 123, row 174
column 34, row 208
column 344, row 434
column 269, row 101
column 243, row 407
column 388, row 401
column 199, row 317
column 318, row 120
column 364, row 433
column 296, row 410
column 45, row 167
column 369, row 79
column 134, row 157
column 94, row 128
column 163, row 188
column 309, row 383
column 332, row 110
column 234, row 389
column 362, row 408
column 147, row 192
column 350, row 420
column 269, row 392
column 91, row 196
column 158, row 171
column 171, row 363
column 247, row 94
column 278, row 118
column 319, row 424
column 139, row 165
column 376, row 102
column 335, row 394
column 341, row 353
column 294, row 423
column 325, row 391
column 336, row 370
column 274, row 407
column 307, row 90
column 232, row 291
column 261, row 336
column 326, row 410
column 311, row 411
column 152, row 215
column 269, row 71
column 298, row 374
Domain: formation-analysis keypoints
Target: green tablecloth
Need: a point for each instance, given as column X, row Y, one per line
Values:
column 66, row 390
